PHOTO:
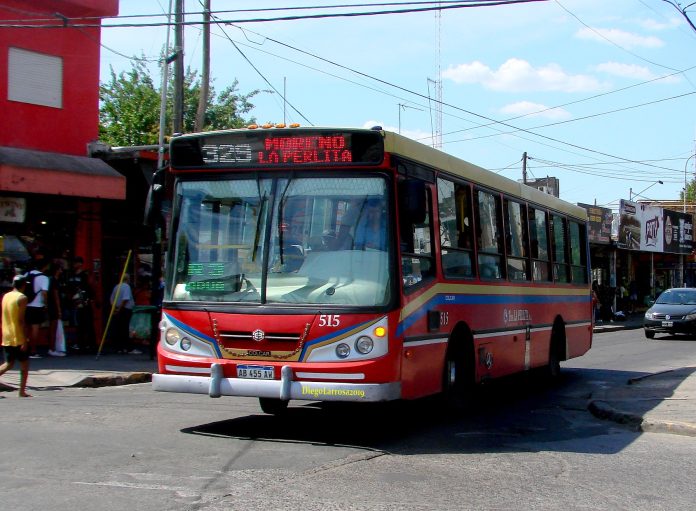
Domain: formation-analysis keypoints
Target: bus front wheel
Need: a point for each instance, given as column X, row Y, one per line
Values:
column 273, row 406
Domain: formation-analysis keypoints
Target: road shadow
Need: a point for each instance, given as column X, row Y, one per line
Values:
column 520, row 413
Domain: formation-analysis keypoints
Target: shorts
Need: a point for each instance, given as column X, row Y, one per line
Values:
column 36, row 315
column 13, row 353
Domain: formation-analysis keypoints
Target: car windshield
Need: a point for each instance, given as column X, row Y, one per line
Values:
column 678, row 297
column 308, row 240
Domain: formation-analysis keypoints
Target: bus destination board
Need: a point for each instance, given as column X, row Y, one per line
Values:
column 251, row 148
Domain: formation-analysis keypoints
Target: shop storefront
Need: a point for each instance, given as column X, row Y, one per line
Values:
column 52, row 204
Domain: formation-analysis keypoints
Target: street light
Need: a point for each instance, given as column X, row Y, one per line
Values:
column 631, row 194
column 686, row 163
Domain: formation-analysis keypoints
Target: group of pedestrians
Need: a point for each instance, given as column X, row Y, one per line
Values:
column 56, row 294
column 51, row 293
column 40, row 296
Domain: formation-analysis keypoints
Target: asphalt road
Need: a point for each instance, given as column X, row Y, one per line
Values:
column 518, row 445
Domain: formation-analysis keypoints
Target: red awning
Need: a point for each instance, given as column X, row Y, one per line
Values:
column 30, row 171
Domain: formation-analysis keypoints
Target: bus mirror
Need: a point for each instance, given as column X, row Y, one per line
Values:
column 153, row 202
column 413, row 205
column 153, row 196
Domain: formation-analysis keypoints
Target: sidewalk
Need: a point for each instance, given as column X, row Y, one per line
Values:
column 632, row 321
column 83, row 371
column 662, row 402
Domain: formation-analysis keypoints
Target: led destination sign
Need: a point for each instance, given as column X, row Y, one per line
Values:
column 278, row 148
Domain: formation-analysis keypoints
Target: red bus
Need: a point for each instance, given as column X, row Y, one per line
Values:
column 360, row 265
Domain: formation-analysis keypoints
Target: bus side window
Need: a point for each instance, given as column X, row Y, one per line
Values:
column 539, row 244
column 559, row 246
column 578, row 250
column 417, row 262
column 454, row 209
column 489, row 232
column 517, row 244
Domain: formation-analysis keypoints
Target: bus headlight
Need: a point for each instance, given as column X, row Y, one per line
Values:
column 342, row 350
column 185, row 344
column 172, row 336
column 364, row 344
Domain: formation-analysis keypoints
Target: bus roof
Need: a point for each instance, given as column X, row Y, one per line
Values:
column 394, row 144
column 418, row 152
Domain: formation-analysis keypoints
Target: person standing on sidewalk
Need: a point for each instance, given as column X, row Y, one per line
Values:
column 14, row 340
column 79, row 306
column 54, row 309
column 122, row 303
column 37, row 312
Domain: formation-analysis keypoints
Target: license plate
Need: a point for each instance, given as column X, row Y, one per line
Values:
column 255, row 372
column 668, row 323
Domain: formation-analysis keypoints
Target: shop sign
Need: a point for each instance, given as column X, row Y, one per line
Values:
column 641, row 227
column 13, row 209
column 599, row 223
column 679, row 232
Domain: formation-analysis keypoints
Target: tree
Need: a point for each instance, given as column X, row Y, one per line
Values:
column 130, row 107
column 690, row 192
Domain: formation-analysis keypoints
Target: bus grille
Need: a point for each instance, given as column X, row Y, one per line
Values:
column 271, row 342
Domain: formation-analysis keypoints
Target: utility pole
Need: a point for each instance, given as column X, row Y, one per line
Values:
column 205, row 70
column 178, row 96
column 524, row 167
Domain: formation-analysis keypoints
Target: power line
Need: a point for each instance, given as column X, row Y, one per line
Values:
column 582, row 100
column 491, row 120
column 599, row 34
column 230, row 11
column 261, row 74
column 589, row 116
column 66, row 22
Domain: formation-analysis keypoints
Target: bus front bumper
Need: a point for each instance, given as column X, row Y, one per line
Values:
column 285, row 389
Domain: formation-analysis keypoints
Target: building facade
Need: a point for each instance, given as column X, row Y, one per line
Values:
column 53, row 195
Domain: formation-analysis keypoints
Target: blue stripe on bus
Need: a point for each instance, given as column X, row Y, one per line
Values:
column 187, row 329
column 334, row 334
column 461, row 299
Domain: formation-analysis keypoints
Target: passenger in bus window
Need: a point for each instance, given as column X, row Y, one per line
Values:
column 370, row 232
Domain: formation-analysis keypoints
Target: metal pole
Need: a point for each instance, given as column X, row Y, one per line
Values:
column 163, row 92
column 178, row 107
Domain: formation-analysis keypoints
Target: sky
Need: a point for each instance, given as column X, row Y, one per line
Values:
column 599, row 94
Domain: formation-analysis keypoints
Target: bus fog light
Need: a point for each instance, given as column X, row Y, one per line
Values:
column 342, row 350
column 185, row 344
column 172, row 336
column 364, row 345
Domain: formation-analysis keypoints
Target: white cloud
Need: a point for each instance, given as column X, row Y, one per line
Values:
column 634, row 72
column 517, row 75
column 652, row 24
column 530, row 109
column 626, row 70
column 620, row 37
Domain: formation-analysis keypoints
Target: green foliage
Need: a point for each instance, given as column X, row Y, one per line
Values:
column 130, row 107
column 690, row 193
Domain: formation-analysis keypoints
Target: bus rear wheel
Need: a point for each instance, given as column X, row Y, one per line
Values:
column 556, row 352
column 458, row 377
column 273, row 406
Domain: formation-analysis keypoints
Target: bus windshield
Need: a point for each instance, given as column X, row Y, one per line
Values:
column 282, row 239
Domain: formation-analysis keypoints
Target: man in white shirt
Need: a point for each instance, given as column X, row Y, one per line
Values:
column 122, row 301
column 37, row 314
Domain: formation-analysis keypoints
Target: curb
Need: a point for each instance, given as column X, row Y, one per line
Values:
column 603, row 410
column 109, row 380
column 113, row 380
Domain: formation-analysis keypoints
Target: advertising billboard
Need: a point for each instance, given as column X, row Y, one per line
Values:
column 654, row 229
column 599, row 223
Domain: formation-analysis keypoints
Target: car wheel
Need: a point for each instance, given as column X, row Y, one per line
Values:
column 649, row 334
